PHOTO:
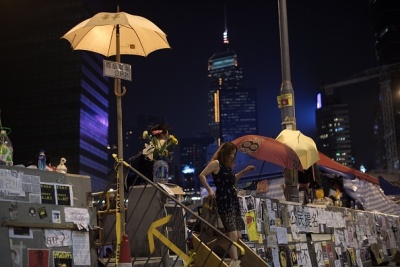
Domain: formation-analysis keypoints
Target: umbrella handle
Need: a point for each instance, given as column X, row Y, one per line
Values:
column 258, row 179
column 120, row 94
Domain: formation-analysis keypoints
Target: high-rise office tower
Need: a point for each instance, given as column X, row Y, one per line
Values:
column 232, row 109
column 193, row 159
column 57, row 98
column 386, row 25
column 333, row 126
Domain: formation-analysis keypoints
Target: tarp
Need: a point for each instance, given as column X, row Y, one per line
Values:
column 325, row 164
column 371, row 196
column 326, row 161
column 335, row 173
column 388, row 188
column 364, row 188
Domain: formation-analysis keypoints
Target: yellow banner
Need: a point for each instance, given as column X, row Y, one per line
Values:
column 251, row 225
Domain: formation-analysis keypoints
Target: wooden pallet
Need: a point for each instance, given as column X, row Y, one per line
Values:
column 204, row 256
column 248, row 259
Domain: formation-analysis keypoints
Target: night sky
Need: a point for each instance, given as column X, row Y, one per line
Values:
column 329, row 41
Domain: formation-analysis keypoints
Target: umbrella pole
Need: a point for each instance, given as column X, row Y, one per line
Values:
column 120, row 211
column 262, row 167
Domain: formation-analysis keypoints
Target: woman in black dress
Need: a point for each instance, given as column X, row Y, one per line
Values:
column 220, row 167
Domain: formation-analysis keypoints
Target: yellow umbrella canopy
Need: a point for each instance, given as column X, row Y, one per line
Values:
column 137, row 35
column 303, row 146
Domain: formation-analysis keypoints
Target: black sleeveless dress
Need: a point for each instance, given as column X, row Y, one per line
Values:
column 227, row 200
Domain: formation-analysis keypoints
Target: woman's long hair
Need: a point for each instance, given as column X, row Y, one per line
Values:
column 223, row 154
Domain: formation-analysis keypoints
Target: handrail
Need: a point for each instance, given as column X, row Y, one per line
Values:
column 161, row 236
column 174, row 199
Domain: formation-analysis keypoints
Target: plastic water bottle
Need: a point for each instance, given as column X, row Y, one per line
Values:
column 6, row 149
column 42, row 160
column 160, row 171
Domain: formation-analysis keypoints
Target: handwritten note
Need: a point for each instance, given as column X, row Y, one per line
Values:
column 78, row 216
column 275, row 257
column 272, row 242
column 81, row 248
column 281, row 233
column 10, row 183
column 303, row 257
column 57, row 237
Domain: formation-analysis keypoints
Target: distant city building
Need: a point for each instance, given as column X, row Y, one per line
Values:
column 386, row 24
column 193, row 159
column 232, row 110
column 58, row 99
column 333, row 128
column 238, row 113
column 385, row 21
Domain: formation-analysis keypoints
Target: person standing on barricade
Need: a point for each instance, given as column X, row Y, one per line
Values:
column 220, row 167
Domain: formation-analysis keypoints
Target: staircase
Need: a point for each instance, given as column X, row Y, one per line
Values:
column 159, row 234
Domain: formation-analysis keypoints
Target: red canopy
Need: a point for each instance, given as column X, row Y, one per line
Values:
column 326, row 161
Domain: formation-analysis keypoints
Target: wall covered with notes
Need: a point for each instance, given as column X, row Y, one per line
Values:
column 287, row 234
column 45, row 218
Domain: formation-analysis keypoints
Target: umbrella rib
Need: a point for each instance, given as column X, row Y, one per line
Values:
column 140, row 41
column 72, row 41
column 162, row 38
column 79, row 41
column 110, row 43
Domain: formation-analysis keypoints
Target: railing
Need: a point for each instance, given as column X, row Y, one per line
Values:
column 158, row 229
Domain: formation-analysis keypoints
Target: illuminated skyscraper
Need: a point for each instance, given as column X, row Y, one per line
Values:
column 232, row 109
column 58, row 99
column 333, row 126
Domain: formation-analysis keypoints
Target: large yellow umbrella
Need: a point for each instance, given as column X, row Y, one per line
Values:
column 115, row 34
column 303, row 146
column 137, row 35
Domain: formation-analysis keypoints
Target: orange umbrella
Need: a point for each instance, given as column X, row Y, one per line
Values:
column 268, row 149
